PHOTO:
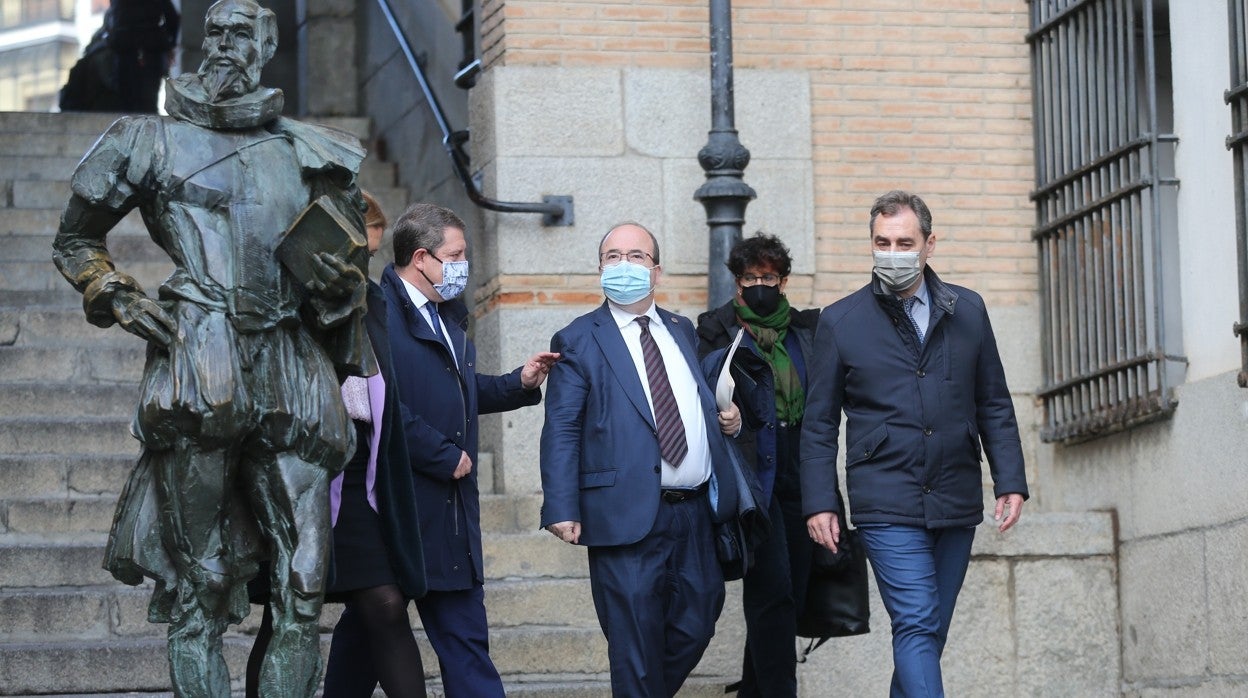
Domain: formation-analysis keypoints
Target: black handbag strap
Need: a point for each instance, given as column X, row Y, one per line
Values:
column 811, row 647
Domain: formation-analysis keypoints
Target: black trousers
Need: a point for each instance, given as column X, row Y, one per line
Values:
column 774, row 591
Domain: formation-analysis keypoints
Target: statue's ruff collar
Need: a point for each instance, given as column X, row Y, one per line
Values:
column 186, row 100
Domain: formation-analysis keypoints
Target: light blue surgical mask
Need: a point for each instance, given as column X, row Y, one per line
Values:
column 454, row 278
column 626, row 283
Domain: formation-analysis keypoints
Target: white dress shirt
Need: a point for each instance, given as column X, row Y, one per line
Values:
column 695, row 469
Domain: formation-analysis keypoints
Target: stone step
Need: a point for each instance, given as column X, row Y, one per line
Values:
column 57, row 325
column 82, row 364
column 41, row 501
column 59, row 515
column 53, row 614
column 549, row 602
column 45, row 476
column 37, row 124
column 72, row 144
column 43, row 276
column 104, row 665
column 65, row 399
column 140, row 664
column 65, row 297
column 44, row 221
column 37, row 247
column 542, row 686
column 66, row 436
column 40, row 560
column 38, row 166
column 65, row 614
column 530, row 555
column 42, row 564
column 510, row 513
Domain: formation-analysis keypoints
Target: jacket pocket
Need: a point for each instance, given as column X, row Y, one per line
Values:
column 976, row 446
column 597, row 478
column 865, row 448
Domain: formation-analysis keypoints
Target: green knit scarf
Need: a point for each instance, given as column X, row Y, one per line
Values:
column 769, row 333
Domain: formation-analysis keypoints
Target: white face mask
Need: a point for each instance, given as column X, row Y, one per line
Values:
column 897, row 270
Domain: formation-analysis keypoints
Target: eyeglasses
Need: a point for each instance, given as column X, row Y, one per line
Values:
column 751, row 280
column 616, row 256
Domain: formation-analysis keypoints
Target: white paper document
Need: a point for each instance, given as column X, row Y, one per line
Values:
column 725, row 385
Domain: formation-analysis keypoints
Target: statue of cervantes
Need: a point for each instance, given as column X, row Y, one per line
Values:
column 240, row 418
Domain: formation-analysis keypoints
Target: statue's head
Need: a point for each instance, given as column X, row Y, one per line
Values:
column 240, row 36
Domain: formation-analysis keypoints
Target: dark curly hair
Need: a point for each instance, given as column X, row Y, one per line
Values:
column 761, row 250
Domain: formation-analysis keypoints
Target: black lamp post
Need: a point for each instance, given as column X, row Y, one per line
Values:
column 724, row 194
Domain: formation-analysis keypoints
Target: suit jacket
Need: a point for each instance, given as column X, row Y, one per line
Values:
column 919, row 416
column 600, row 448
column 440, row 398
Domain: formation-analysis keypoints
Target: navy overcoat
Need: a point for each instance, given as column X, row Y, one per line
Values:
column 440, row 398
column 919, row 416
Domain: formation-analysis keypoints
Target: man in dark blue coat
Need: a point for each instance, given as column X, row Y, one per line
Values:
column 634, row 465
column 913, row 363
column 441, row 395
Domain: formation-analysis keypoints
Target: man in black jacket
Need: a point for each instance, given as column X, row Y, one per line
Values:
column 142, row 33
column 913, row 363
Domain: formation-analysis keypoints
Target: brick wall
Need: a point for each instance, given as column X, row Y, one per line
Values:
column 932, row 97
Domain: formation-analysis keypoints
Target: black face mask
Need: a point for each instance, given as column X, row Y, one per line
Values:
column 761, row 298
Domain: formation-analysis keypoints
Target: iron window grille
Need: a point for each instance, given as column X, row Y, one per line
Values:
column 1237, row 142
column 1105, row 214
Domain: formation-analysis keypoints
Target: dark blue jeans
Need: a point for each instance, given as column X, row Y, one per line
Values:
column 919, row 572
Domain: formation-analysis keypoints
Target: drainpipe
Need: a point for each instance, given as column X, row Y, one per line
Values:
column 724, row 194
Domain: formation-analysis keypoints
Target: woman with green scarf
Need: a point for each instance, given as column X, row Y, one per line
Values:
column 774, row 352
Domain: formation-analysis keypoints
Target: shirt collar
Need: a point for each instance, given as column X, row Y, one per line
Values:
column 418, row 299
column 921, row 294
column 623, row 317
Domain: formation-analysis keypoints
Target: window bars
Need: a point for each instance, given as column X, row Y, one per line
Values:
column 1105, row 214
column 1237, row 142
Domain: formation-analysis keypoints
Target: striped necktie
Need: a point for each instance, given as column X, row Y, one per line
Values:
column 672, row 443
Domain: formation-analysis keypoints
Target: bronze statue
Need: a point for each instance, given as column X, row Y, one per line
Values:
column 240, row 418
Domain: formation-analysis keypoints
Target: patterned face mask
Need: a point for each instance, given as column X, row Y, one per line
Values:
column 454, row 278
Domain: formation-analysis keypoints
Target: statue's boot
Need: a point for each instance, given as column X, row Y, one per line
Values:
column 197, row 668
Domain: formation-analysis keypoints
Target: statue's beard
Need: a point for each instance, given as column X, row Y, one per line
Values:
column 223, row 80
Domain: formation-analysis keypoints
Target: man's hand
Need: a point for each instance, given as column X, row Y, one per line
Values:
column 464, row 467
column 144, row 318
column 824, row 529
column 566, row 531
column 730, row 420
column 536, row 368
column 1012, row 506
column 334, row 277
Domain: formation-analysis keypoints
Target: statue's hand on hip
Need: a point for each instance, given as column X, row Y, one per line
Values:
column 144, row 317
column 335, row 277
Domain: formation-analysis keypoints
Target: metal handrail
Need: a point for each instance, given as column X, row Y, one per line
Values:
column 555, row 210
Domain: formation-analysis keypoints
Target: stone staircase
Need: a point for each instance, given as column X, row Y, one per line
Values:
column 67, row 390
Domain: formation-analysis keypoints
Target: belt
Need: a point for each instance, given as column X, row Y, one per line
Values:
column 673, row 495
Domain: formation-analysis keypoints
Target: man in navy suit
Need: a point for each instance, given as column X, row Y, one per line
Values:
column 441, row 395
column 634, row 466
